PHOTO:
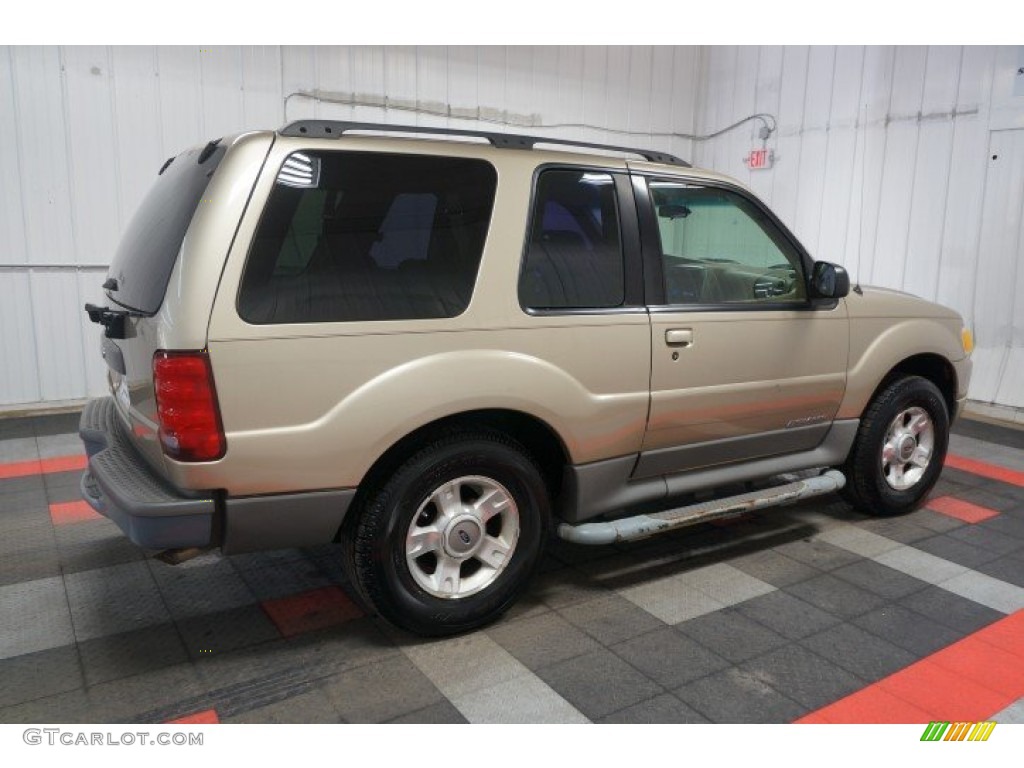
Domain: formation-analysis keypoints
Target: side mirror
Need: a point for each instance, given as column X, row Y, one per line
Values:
column 673, row 212
column 829, row 281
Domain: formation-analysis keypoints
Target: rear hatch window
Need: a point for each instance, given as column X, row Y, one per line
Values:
column 145, row 257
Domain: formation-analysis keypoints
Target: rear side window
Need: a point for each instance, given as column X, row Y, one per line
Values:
column 349, row 236
column 574, row 251
column 149, row 248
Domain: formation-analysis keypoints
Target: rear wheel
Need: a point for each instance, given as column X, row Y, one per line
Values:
column 449, row 542
column 900, row 448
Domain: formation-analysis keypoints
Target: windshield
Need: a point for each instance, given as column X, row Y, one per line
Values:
column 149, row 247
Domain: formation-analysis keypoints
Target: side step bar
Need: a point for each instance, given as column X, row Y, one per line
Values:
column 643, row 526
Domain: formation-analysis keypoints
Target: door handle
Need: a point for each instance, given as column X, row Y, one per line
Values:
column 679, row 337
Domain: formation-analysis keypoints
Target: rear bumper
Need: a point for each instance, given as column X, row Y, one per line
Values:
column 120, row 485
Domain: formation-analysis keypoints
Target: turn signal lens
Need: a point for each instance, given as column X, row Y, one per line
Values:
column 186, row 405
column 967, row 339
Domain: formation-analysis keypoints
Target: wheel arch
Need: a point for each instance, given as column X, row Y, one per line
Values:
column 933, row 367
column 538, row 437
column 881, row 348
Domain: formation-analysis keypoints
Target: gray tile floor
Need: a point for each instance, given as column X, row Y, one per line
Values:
column 763, row 620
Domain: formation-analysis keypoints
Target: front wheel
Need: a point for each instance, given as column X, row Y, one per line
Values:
column 900, row 448
column 453, row 537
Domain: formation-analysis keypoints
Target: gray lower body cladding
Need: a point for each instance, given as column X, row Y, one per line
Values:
column 120, row 485
column 608, row 487
column 284, row 520
column 716, row 453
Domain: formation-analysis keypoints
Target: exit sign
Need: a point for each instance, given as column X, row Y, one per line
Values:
column 760, row 159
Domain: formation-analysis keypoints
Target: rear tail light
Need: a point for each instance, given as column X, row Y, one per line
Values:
column 186, row 405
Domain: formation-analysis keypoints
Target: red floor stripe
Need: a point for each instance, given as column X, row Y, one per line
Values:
column 998, row 670
column 871, row 705
column 72, row 512
column 967, row 681
column 983, row 468
column 197, row 718
column 309, row 611
column 42, row 466
column 961, row 510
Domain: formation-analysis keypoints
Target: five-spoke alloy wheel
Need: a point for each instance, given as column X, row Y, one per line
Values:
column 462, row 537
column 908, row 447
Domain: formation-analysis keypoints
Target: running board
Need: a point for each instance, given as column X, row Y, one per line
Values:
column 642, row 526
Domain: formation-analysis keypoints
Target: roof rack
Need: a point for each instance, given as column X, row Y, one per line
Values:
column 333, row 129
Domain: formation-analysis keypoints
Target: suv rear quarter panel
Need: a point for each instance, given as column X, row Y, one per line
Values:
column 183, row 318
column 313, row 405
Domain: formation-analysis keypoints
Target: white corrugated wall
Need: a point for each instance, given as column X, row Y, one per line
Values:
column 82, row 134
column 905, row 164
column 84, row 130
column 883, row 158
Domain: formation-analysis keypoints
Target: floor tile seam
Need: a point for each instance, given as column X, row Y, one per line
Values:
column 645, row 701
column 910, row 670
column 696, row 706
column 914, row 591
column 172, row 618
column 723, row 603
column 167, row 607
column 886, row 683
column 866, row 681
column 306, row 677
column 523, row 672
column 964, row 570
column 71, row 621
column 729, row 664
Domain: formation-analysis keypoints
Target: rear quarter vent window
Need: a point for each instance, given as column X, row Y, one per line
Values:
column 368, row 236
column 574, row 255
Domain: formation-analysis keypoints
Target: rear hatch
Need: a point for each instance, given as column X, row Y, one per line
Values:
column 137, row 284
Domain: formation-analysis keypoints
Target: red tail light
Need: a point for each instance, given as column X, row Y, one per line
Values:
column 186, row 405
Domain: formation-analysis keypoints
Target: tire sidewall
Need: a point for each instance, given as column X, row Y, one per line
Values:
column 908, row 393
column 399, row 597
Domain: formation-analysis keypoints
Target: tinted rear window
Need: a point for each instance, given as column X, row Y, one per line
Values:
column 149, row 247
column 348, row 236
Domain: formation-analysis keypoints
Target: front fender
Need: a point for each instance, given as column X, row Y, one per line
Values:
column 877, row 345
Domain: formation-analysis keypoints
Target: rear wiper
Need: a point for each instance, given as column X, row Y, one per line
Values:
column 111, row 319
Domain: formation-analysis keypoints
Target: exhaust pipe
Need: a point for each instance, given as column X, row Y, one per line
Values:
column 179, row 556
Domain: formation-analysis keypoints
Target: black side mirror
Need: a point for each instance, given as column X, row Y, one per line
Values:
column 829, row 281
column 673, row 211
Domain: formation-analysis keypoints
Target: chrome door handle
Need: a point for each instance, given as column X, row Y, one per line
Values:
column 679, row 337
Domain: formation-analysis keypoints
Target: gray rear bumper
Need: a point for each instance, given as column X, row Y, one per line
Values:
column 120, row 485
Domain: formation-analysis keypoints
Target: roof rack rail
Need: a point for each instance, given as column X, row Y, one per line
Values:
column 333, row 129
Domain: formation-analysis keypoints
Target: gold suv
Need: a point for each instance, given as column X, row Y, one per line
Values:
column 441, row 351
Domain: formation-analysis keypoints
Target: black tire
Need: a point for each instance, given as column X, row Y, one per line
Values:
column 377, row 539
column 867, row 486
